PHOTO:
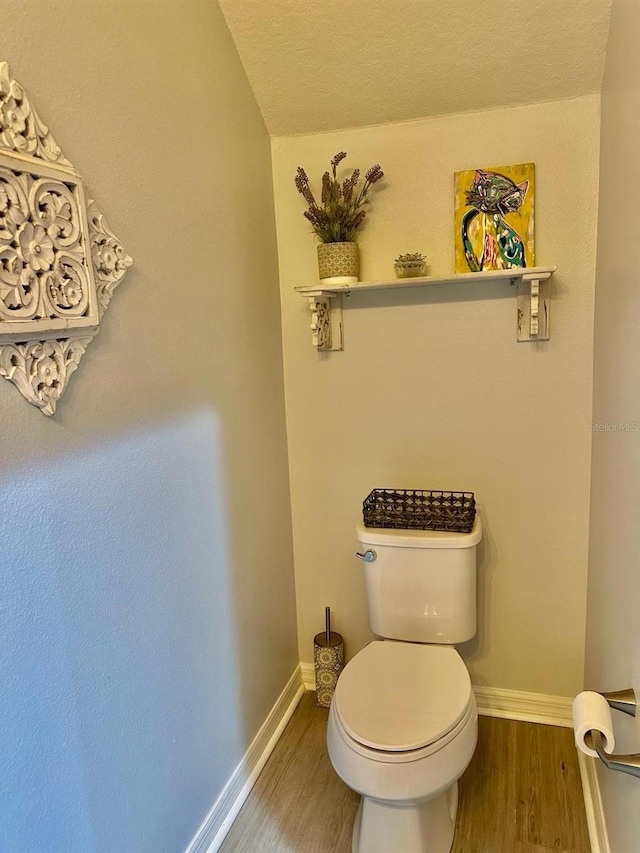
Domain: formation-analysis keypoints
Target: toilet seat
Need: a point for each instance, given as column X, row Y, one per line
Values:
column 404, row 758
column 399, row 698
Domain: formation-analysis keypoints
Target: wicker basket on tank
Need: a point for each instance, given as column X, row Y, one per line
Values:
column 417, row 509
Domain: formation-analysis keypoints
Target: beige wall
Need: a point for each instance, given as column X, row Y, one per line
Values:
column 433, row 391
column 613, row 623
column 147, row 553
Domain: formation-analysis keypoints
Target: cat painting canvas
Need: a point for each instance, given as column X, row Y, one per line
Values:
column 494, row 218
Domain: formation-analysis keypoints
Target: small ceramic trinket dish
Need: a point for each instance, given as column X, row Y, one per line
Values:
column 409, row 266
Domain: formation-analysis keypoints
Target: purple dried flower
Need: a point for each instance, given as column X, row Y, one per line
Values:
column 349, row 185
column 326, row 187
column 341, row 211
column 301, row 179
column 374, row 174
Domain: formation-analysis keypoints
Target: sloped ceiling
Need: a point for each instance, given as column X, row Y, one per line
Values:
column 320, row 65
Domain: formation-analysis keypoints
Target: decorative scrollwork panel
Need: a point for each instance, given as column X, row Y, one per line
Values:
column 59, row 260
column 46, row 269
column 326, row 322
column 40, row 369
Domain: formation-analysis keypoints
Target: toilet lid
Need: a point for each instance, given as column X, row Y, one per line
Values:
column 402, row 696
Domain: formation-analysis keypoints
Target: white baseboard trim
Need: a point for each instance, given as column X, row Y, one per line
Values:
column 308, row 672
column 596, row 822
column 224, row 811
column 528, row 707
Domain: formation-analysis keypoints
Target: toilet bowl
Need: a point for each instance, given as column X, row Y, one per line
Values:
column 402, row 730
column 403, row 723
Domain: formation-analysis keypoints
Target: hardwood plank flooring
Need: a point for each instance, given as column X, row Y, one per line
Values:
column 298, row 804
column 520, row 794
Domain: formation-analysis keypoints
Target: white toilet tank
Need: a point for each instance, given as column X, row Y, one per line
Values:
column 421, row 584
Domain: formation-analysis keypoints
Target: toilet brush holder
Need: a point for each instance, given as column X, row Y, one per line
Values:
column 328, row 653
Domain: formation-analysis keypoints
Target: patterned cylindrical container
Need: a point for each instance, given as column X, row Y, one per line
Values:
column 329, row 660
column 339, row 263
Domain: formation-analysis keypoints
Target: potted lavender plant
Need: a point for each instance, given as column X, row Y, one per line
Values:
column 337, row 218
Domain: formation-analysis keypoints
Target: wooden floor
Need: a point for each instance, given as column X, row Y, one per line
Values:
column 520, row 794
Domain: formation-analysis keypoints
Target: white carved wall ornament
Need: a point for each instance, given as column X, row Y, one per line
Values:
column 59, row 260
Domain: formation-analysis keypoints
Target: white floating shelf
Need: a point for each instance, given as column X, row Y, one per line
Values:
column 325, row 300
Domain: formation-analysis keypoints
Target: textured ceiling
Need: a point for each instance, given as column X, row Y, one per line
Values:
column 318, row 65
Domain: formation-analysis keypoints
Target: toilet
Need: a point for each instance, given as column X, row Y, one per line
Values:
column 403, row 721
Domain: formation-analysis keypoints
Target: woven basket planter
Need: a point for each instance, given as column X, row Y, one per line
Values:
column 338, row 263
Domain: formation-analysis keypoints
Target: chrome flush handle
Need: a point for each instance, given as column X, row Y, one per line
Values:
column 368, row 556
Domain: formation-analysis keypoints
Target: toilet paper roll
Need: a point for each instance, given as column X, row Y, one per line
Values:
column 592, row 711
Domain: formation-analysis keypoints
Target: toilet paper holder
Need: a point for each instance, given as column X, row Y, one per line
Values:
column 625, row 701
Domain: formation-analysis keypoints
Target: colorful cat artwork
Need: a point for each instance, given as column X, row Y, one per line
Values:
column 484, row 199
